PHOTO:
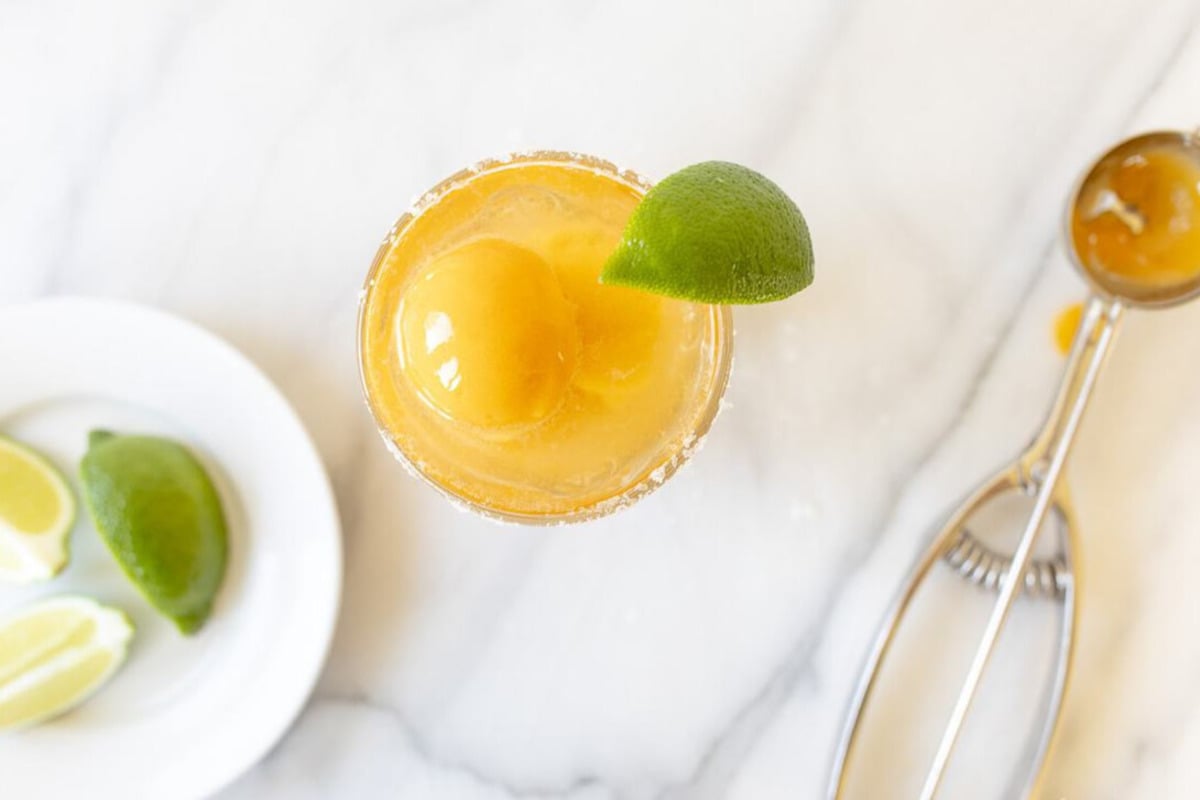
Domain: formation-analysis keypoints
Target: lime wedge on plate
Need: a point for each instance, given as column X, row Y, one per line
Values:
column 714, row 233
column 55, row 654
column 160, row 515
column 37, row 510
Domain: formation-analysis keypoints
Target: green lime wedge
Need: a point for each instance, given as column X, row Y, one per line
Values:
column 159, row 513
column 714, row 233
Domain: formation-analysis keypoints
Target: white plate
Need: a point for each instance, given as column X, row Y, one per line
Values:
column 186, row 715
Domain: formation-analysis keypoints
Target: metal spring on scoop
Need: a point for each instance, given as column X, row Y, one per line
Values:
column 984, row 567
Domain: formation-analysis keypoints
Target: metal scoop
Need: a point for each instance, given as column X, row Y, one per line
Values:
column 1036, row 473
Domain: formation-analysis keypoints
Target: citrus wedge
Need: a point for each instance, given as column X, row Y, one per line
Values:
column 159, row 513
column 55, row 654
column 714, row 232
column 37, row 511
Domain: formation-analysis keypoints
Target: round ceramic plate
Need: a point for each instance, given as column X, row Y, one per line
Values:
column 185, row 716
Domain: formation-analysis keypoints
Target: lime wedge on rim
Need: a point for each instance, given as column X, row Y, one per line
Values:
column 55, row 654
column 37, row 511
column 714, row 232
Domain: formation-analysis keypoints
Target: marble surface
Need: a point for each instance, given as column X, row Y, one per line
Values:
column 237, row 163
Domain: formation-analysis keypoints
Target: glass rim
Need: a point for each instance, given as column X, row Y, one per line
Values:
column 658, row 474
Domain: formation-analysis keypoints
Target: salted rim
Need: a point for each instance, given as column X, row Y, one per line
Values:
column 660, row 472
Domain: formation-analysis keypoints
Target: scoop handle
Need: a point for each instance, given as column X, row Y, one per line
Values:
column 1042, row 464
column 1097, row 330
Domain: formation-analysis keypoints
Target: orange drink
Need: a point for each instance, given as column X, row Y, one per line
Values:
column 503, row 372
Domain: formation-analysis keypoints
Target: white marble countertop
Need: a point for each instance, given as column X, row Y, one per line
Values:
column 237, row 163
